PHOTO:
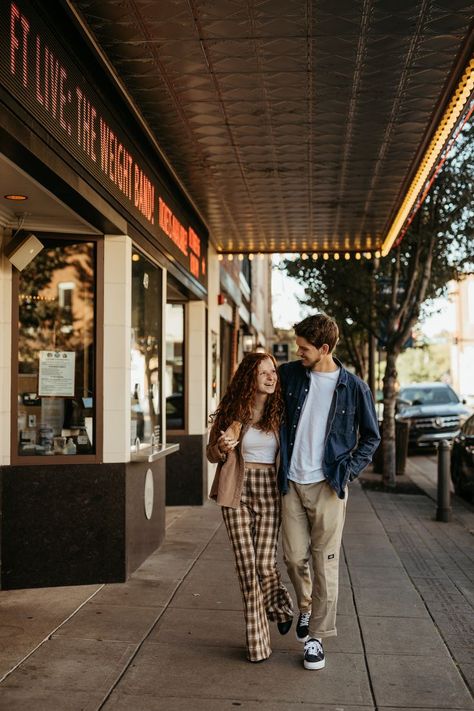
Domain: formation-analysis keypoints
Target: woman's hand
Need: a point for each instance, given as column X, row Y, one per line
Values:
column 226, row 444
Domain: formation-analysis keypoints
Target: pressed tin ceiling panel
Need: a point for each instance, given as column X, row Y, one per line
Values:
column 292, row 124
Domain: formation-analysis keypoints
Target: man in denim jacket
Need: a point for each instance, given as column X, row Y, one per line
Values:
column 328, row 437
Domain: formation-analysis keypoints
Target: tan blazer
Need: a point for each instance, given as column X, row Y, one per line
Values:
column 228, row 482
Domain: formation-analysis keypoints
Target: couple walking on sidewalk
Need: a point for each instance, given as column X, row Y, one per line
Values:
column 287, row 444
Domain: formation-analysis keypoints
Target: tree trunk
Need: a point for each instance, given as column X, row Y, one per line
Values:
column 388, row 438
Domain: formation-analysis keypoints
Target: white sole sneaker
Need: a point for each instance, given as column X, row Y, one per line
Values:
column 302, row 639
column 314, row 665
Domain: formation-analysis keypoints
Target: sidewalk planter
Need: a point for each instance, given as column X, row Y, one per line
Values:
column 402, row 430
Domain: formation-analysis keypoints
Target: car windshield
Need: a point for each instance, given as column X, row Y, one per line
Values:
column 429, row 396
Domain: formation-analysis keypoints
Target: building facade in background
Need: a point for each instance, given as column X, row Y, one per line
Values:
column 462, row 350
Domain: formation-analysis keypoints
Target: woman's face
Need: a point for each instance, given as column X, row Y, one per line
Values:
column 266, row 377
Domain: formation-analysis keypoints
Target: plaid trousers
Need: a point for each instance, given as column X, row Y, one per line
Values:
column 253, row 532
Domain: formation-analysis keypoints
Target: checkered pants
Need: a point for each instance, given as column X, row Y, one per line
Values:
column 253, row 531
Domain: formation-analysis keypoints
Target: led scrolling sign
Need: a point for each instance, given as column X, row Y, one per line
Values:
column 38, row 74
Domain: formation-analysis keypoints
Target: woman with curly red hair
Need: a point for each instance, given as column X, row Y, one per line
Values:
column 244, row 441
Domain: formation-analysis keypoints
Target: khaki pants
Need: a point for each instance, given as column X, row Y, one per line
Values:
column 312, row 522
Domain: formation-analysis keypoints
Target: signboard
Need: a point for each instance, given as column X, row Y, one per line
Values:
column 56, row 373
column 280, row 352
column 40, row 74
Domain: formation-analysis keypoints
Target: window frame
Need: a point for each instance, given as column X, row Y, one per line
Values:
column 154, row 262
column 184, row 304
column 52, row 459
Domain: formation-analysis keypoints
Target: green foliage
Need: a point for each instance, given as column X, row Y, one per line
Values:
column 431, row 362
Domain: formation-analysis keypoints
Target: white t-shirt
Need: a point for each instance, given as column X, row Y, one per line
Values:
column 258, row 446
column 308, row 451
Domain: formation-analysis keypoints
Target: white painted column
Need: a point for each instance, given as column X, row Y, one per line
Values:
column 5, row 351
column 214, row 327
column 117, row 334
column 196, row 367
column 213, row 320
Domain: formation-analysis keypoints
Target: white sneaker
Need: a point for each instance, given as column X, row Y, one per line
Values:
column 313, row 654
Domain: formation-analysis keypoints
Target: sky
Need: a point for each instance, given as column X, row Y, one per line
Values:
column 286, row 310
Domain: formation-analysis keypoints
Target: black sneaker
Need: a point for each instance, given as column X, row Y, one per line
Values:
column 284, row 627
column 302, row 626
column 313, row 654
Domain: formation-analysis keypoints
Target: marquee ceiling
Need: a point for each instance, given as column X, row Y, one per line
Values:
column 294, row 125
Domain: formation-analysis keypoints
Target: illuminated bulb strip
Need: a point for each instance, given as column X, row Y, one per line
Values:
column 444, row 130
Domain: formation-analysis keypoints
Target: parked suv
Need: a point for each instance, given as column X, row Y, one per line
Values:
column 433, row 411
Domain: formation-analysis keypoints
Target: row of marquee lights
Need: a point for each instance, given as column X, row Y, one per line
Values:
column 459, row 99
column 324, row 255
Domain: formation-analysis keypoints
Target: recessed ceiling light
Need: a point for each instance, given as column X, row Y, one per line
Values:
column 18, row 198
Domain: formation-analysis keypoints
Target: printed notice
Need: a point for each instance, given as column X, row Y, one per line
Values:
column 56, row 373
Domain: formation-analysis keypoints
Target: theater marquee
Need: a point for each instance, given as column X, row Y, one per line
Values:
column 39, row 73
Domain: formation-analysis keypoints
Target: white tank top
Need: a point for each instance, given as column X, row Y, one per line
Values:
column 258, row 446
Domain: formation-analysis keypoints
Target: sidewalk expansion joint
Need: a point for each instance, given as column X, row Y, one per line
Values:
column 50, row 635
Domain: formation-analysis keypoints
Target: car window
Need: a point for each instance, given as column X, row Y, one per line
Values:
column 429, row 396
column 468, row 427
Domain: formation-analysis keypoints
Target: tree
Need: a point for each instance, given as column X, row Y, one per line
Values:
column 383, row 297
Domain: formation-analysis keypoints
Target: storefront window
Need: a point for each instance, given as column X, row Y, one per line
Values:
column 56, row 351
column 146, row 342
column 175, row 366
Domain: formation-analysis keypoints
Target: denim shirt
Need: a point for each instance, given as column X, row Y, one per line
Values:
column 352, row 431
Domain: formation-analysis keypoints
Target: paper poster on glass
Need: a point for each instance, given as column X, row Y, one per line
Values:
column 56, row 373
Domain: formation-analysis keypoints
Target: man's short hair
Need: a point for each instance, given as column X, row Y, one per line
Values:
column 317, row 330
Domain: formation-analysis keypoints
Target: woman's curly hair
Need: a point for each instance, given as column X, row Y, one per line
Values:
column 239, row 396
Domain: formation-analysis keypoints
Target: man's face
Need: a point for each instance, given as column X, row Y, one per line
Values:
column 309, row 354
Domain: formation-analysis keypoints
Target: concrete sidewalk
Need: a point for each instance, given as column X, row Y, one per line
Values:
column 172, row 637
